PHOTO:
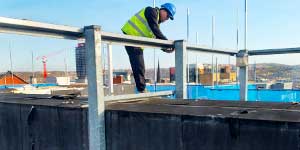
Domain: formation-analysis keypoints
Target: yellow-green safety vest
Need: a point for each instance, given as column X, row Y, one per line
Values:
column 138, row 25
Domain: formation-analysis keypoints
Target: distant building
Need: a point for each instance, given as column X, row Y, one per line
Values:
column 282, row 85
column 118, row 79
column 204, row 74
column 172, row 74
column 164, row 80
column 262, row 85
column 80, row 55
column 59, row 80
column 125, row 74
column 9, row 78
column 195, row 69
column 121, row 77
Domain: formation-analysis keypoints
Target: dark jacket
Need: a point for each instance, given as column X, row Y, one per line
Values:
column 151, row 16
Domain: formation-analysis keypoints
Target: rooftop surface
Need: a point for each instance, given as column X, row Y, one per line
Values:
column 217, row 109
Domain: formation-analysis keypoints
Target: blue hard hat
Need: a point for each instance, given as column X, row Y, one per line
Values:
column 170, row 8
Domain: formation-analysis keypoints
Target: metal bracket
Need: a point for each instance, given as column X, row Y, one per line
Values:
column 242, row 58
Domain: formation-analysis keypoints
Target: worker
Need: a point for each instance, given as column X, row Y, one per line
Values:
column 146, row 24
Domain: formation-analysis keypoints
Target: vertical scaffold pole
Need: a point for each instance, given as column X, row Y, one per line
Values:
column 95, row 88
column 181, row 72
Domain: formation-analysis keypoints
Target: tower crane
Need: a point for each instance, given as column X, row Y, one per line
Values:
column 44, row 59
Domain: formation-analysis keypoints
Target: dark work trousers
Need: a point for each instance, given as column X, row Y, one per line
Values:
column 136, row 58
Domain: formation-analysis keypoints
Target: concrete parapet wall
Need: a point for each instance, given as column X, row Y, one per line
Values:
column 33, row 123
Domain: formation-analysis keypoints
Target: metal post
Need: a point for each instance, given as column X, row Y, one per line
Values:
column 246, row 23
column 187, row 24
column 242, row 63
column 197, row 73
column 212, row 70
column 237, row 76
column 217, row 71
column 254, row 69
column 237, row 30
column 213, row 46
column 66, row 65
column 187, row 39
column 110, row 70
column 11, row 65
column 237, row 44
column 32, row 67
column 180, row 65
column 197, row 38
column 213, row 33
column 197, row 76
column 95, row 91
column 243, row 71
column 154, row 68
column 154, row 57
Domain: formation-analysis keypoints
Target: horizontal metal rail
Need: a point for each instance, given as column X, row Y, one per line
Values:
column 274, row 51
column 135, row 40
column 33, row 28
column 137, row 96
column 191, row 47
column 27, row 27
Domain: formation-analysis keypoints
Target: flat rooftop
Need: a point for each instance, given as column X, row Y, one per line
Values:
column 274, row 111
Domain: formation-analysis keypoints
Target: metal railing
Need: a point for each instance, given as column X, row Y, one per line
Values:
column 94, row 37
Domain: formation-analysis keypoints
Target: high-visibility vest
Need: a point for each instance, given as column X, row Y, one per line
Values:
column 138, row 25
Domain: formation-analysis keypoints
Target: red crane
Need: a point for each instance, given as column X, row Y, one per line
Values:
column 44, row 61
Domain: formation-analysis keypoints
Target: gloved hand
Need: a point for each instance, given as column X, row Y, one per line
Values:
column 168, row 50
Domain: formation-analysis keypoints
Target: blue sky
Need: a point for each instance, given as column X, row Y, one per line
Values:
column 272, row 24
